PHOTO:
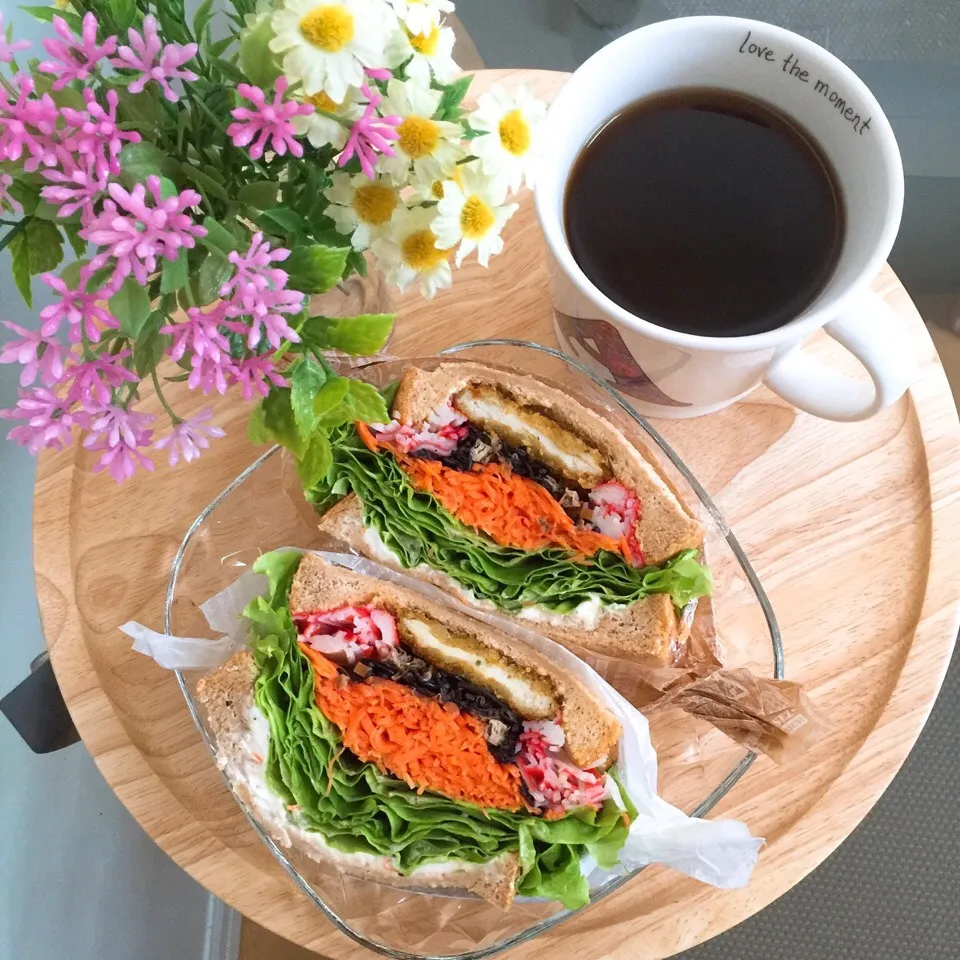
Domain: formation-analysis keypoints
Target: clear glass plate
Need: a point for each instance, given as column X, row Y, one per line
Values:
column 262, row 510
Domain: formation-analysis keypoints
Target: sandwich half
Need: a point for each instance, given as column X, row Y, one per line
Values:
column 515, row 496
column 398, row 741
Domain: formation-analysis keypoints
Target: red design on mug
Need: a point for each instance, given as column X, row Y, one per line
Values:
column 601, row 341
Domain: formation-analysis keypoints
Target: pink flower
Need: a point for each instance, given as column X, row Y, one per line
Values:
column 144, row 58
column 73, row 60
column 78, row 189
column 48, row 421
column 120, row 435
column 378, row 73
column 38, row 354
column 95, row 380
column 370, row 134
column 136, row 240
column 28, row 123
column 189, row 437
column 255, row 374
column 6, row 201
column 79, row 308
column 257, row 289
column 210, row 373
column 268, row 122
column 7, row 50
column 95, row 133
column 200, row 334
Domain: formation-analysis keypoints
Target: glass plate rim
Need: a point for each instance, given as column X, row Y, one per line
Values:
column 704, row 807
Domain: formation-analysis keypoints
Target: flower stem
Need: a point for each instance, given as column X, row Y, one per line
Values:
column 163, row 399
column 11, row 234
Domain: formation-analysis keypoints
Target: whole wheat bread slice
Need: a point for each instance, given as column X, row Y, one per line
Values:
column 643, row 631
column 227, row 695
column 590, row 728
column 665, row 526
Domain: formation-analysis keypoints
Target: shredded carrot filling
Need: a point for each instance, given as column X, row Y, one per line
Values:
column 513, row 511
column 429, row 745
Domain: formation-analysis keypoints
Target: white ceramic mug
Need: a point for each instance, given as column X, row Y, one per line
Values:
column 670, row 374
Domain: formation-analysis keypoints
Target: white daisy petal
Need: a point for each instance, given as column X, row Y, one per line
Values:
column 408, row 252
column 362, row 207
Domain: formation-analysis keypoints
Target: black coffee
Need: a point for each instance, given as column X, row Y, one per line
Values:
column 705, row 211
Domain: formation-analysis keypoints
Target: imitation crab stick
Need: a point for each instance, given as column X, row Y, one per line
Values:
column 429, row 745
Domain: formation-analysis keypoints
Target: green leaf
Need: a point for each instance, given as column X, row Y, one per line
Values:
column 366, row 402
column 261, row 194
column 143, row 109
column 218, row 238
column 279, row 420
column 123, row 12
column 99, row 278
column 150, row 345
column 450, row 100
column 26, row 194
column 257, row 60
column 70, row 274
column 357, row 262
column 72, row 233
column 316, row 461
column 131, row 306
column 330, row 396
column 46, row 15
column 359, row 336
column 257, row 426
column 212, row 275
column 44, row 246
column 204, row 181
column 230, row 71
column 217, row 48
column 174, row 273
column 315, row 268
column 202, row 18
column 141, row 160
column 307, row 379
column 20, row 251
column 283, row 218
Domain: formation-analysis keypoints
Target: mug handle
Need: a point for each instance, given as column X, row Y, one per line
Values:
column 869, row 330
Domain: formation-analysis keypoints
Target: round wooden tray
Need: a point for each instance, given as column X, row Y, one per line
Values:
column 851, row 527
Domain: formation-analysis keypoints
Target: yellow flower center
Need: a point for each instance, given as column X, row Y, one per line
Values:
column 323, row 101
column 328, row 27
column 515, row 133
column 374, row 203
column 425, row 43
column 476, row 218
column 420, row 251
column 436, row 189
column 418, row 137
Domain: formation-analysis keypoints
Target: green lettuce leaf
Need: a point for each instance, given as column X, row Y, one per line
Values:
column 357, row 809
column 418, row 530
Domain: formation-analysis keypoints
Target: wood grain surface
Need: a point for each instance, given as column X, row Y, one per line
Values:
column 852, row 529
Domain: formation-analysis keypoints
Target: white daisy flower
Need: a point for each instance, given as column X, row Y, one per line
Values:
column 432, row 146
column 409, row 252
column 418, row 16
column 472, row 213
column 326, row 43
column 431, row 51
column 513, row 142
column 362, row 207
column 429, row 189
column 320, row 129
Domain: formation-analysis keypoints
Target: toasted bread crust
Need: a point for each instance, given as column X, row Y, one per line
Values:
column 227, row 694
column 591, row 742
column 642, row 632
column 665, row 526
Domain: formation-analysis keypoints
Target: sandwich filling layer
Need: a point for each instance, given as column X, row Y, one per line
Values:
column 418, row 529
column 361, row 806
